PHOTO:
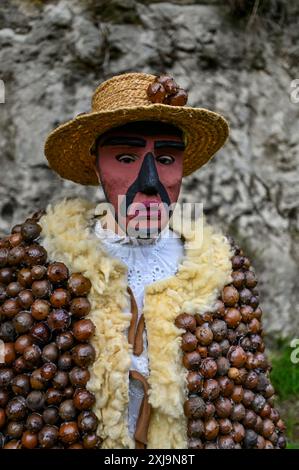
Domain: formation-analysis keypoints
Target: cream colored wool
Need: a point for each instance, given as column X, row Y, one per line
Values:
column 203, row 272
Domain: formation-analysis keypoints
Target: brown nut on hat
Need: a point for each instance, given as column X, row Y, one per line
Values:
column 134, row 97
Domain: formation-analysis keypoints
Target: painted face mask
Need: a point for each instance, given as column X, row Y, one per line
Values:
column 140, row 166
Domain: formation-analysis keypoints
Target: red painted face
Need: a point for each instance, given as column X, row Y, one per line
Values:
column 136, row 166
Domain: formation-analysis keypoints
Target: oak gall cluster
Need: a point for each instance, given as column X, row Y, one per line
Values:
column 44, row 402
column 230, row 402
column 165, row 90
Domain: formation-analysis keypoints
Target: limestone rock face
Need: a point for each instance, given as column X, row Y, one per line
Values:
column 54, row 53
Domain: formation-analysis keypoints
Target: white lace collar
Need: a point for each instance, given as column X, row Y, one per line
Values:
column 108, row 236
column 146, row 262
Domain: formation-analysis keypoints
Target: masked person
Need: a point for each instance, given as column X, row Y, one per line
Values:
column 178, row 354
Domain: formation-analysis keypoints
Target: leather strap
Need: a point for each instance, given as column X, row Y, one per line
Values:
column 135, row 338
column 144, row 413
column 138, row 344
column 135, row 335
column 133, row 323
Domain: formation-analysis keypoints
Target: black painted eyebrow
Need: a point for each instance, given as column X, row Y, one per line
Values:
column 139, row 142
column 169, row 143
column 130, row 141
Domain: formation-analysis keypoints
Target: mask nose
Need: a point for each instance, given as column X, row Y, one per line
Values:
column 148, row 176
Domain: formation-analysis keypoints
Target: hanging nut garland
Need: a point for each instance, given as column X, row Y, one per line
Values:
column 44, row 402
column 230, row 397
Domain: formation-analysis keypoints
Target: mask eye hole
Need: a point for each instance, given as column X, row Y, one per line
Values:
column 165, row 159
column 126, row 158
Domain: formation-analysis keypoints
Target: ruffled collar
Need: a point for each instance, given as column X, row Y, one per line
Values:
column 109, row 237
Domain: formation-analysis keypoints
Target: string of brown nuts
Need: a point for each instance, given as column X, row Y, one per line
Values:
column 44, row 402
column 165, row 90
column 230, row 401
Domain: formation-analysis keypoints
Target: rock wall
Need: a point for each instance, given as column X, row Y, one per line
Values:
column 54, row 53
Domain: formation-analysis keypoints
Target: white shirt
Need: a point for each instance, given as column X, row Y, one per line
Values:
column 148, row 260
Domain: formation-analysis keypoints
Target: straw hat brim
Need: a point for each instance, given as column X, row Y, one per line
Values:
column 68, row 147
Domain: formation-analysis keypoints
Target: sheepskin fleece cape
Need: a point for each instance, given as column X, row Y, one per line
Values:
column 204, row 270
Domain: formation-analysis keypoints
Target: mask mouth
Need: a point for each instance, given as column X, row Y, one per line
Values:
column 151, row 204
column 150, row 210
column 149, row 216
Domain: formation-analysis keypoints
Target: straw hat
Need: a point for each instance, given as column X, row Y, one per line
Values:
column 120, row 100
